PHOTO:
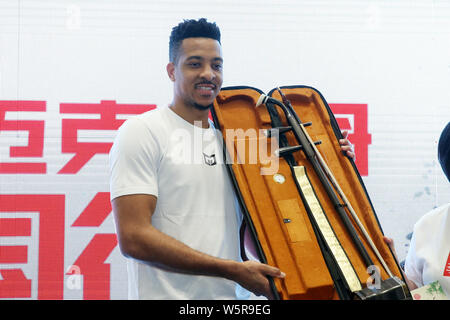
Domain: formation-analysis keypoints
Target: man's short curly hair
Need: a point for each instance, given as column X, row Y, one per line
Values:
column 191, row 29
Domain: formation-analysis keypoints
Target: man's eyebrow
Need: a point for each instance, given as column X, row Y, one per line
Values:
column 195, row 58
column 201, row 58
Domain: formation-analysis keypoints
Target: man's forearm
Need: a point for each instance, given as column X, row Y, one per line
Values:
column 154, row 247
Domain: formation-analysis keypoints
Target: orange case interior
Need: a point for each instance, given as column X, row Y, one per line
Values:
column 292, row 246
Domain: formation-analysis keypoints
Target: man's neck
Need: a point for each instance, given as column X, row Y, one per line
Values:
column 191, row 114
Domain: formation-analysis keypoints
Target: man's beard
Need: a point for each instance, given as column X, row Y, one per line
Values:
column 202, row 108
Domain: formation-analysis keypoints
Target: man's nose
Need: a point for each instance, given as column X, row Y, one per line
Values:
column 208, row 73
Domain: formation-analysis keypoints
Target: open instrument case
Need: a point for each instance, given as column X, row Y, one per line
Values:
column 294, row 222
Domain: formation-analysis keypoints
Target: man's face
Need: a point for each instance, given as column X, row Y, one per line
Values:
column 197, row 74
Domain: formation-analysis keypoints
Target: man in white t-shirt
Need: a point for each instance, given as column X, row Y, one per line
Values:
column 173, row 203
column 174, row 207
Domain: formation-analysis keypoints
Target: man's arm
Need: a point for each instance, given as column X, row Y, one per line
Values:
column 140, row 240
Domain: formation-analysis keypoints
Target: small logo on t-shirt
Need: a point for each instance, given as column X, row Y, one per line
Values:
column 210, row 160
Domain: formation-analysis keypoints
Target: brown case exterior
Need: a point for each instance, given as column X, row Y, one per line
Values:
column 267, row 205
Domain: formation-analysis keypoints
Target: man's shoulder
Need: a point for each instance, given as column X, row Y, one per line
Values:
column 153, row 116
column 153, row 120
column 435, row 217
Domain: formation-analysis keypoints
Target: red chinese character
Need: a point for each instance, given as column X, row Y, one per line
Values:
column 97, row 278
column 358, row 132
column 35, row 129
column 50, row 212
column 96, row 273
column 84, row 151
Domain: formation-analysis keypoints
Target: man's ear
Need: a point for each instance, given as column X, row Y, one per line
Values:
column 171, row 70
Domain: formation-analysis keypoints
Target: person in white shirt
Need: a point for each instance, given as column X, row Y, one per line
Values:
column 173, row 204
column 175, row 216
column 428, row 257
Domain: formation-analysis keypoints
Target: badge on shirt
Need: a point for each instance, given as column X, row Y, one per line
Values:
column 447, row 267
column 210, row 160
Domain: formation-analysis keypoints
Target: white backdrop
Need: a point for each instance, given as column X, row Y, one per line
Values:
column 70, row 71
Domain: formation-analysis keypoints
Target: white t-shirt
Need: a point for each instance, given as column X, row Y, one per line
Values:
column 428, row 257
column 161, row 154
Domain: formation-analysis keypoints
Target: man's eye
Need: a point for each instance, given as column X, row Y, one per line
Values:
column 218, row 67
column 194, row 64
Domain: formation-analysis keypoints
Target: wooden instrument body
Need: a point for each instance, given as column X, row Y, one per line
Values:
column 272, row 203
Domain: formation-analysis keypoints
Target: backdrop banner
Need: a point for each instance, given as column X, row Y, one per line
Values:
column 71, row 72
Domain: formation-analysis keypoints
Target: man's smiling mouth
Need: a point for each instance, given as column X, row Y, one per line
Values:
column 205, row 84
column 205, row 88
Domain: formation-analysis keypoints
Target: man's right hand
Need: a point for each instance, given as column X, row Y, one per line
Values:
column 252, row 275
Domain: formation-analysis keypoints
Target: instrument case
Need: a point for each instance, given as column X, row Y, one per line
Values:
column 275, row 209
